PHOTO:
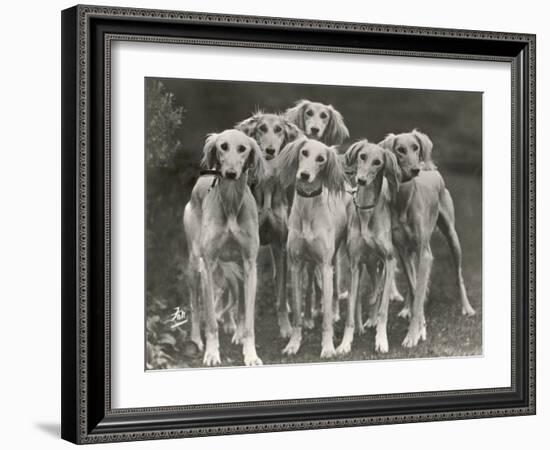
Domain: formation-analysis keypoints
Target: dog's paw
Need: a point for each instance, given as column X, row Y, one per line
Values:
column 467, row 310
column 416, row 332
column 345, row 346
column 237, row 337
column 285, row 329
column 405, row 313
column 309, row 323
column 198, row 341
column 370, row 322
column 291, row 348
column 381, row 343
column 343, row 296
column 328, row 351
column 211, row 358
column 251, row 358
column 396, row 297
column 252, row 361
column 294, row 343
column 327, row 345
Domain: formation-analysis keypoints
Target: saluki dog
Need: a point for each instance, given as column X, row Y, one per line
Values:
column 272, row 132
column 317, row 227
column 326, row 124
column 369, row 240
column 221, row 222
column 422, row 202
column 318, row 121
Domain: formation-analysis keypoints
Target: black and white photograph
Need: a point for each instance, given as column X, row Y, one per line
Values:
column 289, row 218
column 292, row 223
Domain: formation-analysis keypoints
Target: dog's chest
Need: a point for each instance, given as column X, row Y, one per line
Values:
column 311, row 239
column 364, row 241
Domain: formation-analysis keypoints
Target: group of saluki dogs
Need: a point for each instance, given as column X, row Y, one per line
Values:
column 279, row 180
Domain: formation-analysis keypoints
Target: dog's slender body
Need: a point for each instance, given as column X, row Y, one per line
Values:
column 221, row 223
column 317, row 227
column 272, row 132
column 369, row 240
column 422, row 203
column 326, row 124
column 350, row 169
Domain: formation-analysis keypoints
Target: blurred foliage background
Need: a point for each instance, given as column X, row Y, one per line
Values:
column 179, row 114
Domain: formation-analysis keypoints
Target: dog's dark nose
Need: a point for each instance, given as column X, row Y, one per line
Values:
column 314, row 131
column 415, row 172
column 270, row 151
column 231, row 174
column 361, row 181
column 304, row 176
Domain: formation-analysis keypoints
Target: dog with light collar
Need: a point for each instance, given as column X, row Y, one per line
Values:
column 272, row 132
column 317, row 227
column 221, row 223
column 369, row 240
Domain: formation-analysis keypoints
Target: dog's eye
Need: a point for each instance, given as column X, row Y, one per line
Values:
column 263, row 128
column 323, row 115
column 277, row 129
column 224, row 146
column 401, row 150
column 320, row 159
column 241, row 148
column 415, row 147
column 376, row 162
column 309, row 112
column 305, row 153
column 363, row 156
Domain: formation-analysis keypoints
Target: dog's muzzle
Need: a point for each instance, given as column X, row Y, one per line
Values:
column 230, row 174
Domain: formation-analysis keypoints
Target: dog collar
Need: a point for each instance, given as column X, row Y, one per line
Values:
column 214, row 172
column 357, row 206
column 312, row 194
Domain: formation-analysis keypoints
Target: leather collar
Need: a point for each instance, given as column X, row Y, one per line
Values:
column 312, row 194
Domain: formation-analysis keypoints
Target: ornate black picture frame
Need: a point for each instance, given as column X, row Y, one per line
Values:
column 87, row 35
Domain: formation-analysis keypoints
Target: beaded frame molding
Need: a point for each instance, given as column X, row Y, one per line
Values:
column 87, row 35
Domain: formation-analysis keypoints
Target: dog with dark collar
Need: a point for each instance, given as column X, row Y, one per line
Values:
column 317, row 227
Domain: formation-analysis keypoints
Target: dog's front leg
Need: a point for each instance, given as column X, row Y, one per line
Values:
column 381, row 339
column 410, row 273
column 417, row 325
column 309, row 318
column 327, row 344
column 212, row 351
column 249, row 342
column 374, row 301
column 296, row 337
column 285, row 328
column 347, row 339
column 195, row 289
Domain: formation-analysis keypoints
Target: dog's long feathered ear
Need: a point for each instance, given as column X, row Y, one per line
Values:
column 351, row 153
column 296, row 114
column 292, row 132
column 426, row 146
column 334, row 176
column 210, row 152
column 287, row 162
column 248, row 126
column 336, row 131
column 256, row 162
column 392, row 172
column 388, row 142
